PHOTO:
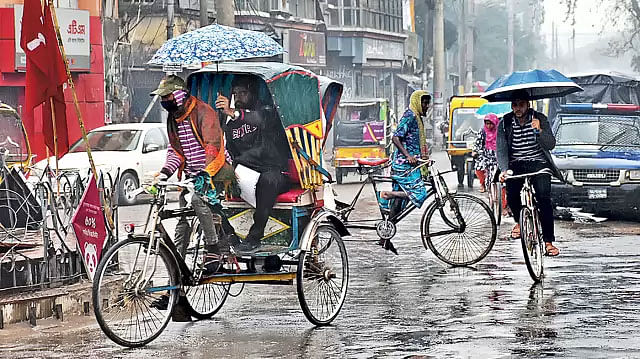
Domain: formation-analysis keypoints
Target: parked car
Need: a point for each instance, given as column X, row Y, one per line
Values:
column 598, row 151
column 135, row 149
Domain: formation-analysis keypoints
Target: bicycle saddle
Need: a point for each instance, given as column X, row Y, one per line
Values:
column 368, row 162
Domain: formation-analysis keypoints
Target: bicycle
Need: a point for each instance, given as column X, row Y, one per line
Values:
column 494, row 190
column 533, row 246
column 147, row 268
column 457, row 227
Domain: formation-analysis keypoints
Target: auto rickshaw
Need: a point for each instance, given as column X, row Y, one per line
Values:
column 302, row 245
column 363, row 129
column 13, row 138
column 464, row 127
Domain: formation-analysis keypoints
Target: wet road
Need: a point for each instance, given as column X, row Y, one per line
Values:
column 414, row 305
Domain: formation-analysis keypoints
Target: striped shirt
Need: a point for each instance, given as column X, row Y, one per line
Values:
column 193, row 151
column 525, row 146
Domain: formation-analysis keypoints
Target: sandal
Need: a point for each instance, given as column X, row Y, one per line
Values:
column 550, row 250
column 483, row 190
column 515, row 232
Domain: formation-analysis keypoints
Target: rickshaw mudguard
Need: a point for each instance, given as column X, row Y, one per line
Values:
column 322, row 217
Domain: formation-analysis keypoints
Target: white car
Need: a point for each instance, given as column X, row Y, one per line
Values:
column 136, row 149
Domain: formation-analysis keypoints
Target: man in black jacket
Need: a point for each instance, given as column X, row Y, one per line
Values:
column 523, row 146
column 256, row 139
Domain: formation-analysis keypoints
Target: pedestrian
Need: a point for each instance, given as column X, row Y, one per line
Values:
column 524, row 141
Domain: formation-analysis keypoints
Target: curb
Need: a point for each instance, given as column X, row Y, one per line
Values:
column 71, row 300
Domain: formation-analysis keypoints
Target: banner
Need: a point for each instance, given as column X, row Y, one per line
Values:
column 89, row 227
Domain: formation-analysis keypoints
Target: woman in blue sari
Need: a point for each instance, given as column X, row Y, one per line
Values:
column 409, row 138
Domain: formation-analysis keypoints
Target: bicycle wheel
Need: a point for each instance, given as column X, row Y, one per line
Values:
column 532, row 246
column 495, row 200
column 322, row 277
column 204, row 300
column 135, row 310
column 459, row 245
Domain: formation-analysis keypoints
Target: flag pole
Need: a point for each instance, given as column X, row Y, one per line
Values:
column 83, row 130
column 55, row 143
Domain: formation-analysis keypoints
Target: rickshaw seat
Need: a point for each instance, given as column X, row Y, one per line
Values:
column 370, row 162
column 291, row 196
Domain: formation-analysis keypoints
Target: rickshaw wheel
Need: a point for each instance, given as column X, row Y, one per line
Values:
column 204, row 300
column 322, row 276
column 127, row 305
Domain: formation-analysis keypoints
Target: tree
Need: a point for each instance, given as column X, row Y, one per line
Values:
column 621, row 14
column 491, row 36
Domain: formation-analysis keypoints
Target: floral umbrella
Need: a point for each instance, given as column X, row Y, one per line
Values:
column 215, row 43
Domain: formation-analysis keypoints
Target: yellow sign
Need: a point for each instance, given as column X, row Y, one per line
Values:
column 315, row 128
column 243, row 221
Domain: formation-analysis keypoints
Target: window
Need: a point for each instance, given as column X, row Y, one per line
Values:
column 155, row 136
column 375, row 14
column 113, row 140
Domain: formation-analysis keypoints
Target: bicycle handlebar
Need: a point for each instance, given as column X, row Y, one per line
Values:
column 544, row 171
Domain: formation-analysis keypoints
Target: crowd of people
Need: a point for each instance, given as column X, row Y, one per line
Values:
column 216, row 147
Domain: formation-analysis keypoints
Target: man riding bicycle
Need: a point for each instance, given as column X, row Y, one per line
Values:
column 523, row 146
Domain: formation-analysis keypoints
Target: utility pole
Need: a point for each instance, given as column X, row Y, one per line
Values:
column 204, row 16
column 225, row 14
column 438, row 63
column 510, row 42
column 427, row 43
column 468, row 83
column 170, row 9
column 462, row 49
column 573, row 43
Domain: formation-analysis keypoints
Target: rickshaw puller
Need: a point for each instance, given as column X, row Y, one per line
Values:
column 196, row 149
column 407, row 184
column 256, row 140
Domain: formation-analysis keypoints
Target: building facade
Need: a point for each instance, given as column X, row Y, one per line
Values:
column 81, row 31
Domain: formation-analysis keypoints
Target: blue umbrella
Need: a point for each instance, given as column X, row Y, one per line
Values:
column 499, row 108
column 538, row 84
column 215, row 43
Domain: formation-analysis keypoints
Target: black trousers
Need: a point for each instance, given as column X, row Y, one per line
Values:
column 270, row 185
column 542, row 187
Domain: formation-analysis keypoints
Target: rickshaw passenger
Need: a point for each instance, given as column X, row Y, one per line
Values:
column 256, row 139
column 196, row 149
column 407, row 184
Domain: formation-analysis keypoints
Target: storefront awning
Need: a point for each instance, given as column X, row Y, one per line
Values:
column 409, row 78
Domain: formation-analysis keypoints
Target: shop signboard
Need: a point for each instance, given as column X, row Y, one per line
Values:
column 383, row 49
column 74, row 30
column 306, row 48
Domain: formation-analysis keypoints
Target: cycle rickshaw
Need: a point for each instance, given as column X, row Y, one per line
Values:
column 305, row 240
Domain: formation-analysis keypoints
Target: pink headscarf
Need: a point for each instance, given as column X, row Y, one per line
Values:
column 490, row 142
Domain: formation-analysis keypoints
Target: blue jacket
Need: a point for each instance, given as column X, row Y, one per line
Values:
column 505, row 137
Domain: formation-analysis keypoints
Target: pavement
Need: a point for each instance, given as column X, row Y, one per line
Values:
column 410, row 305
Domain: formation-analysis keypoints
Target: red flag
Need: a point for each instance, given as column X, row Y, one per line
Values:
column 57, row 77
column 45, row 72
column 34, row 44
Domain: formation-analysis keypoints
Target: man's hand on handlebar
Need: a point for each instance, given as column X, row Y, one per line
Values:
column 412, row 160
column 159, row 177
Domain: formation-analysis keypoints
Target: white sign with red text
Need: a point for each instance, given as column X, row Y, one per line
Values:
column 74, row 30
